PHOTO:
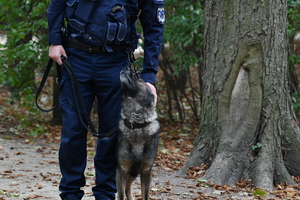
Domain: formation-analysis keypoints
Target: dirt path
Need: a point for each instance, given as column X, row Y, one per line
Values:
column 29, row 170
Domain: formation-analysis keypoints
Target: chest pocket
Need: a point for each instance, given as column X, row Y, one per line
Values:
column 80, row 13
column 70, row 9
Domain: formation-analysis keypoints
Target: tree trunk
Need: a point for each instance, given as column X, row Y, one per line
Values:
column 248, row 128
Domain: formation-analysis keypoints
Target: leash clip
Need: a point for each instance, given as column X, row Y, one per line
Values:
column 133, row 62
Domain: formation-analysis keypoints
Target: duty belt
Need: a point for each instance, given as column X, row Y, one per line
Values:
column 91, row 48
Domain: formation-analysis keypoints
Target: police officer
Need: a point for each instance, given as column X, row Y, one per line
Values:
column 101, row 35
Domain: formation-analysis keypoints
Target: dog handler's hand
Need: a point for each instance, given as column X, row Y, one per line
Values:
column 55, row 52
column 153, row 90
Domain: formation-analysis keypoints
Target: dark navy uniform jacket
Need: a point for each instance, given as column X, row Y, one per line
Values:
column 150, row 14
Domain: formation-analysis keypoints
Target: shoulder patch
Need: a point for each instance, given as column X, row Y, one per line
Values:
column 161, row 15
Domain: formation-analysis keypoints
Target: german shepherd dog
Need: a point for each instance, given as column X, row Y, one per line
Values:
column 138, row 135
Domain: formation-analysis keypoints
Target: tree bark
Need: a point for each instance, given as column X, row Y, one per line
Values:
column 248, row 128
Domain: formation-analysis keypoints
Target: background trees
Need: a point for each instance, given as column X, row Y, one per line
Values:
column 182, row 58
column 24, row 56
column 24, row 25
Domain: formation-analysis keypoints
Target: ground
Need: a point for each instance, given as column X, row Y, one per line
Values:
column 29, row 164
column 29, row 170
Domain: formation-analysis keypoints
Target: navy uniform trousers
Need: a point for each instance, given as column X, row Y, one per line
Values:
column 98, row 76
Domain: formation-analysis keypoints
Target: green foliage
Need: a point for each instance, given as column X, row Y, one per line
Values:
column 293, row 13
column 7, row 194
column 257, row 146
column 34, row 132
column 24, row 24
column 184, row 32
column 293, row 16
column 182, row 58
column 90, row 173
column 91, row 154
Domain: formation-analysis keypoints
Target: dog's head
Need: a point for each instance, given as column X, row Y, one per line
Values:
column 135, row 88
column 138, row 100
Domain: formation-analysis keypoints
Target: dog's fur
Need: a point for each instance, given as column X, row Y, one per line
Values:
column 138, row 135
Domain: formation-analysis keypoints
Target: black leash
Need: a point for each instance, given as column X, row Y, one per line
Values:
column 76, row 90
column 46, row 74
column 76, row 93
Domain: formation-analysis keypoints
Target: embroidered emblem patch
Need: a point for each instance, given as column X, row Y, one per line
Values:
column 161, row 15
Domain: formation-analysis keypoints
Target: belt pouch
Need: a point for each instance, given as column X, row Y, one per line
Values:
column 111, row 31
column 121, row 31
column 77, row 25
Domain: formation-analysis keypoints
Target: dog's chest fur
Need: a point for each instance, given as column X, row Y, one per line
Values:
column 136, row 139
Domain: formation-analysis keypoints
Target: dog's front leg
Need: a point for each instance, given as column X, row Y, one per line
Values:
column 146, row 181
column 121, row 179
column 129, row 181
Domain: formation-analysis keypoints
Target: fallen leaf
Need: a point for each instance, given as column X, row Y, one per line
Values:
column 155, row 189
column 39, row 185
column 51, row 162
column 19, row 153
column 218, row 192
column 13, row 184
column 21, row 161
column 259, row 192
column 35, row 196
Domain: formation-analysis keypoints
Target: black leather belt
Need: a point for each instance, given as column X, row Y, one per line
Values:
column 91, row 48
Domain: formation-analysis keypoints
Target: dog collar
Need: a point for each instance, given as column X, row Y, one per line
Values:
column 135, row 125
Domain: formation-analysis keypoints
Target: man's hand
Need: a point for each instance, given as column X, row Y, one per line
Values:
column 153, row 90
column 55, row 52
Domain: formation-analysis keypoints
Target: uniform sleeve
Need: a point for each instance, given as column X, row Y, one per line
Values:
column 152, row 20
column 55, row 15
